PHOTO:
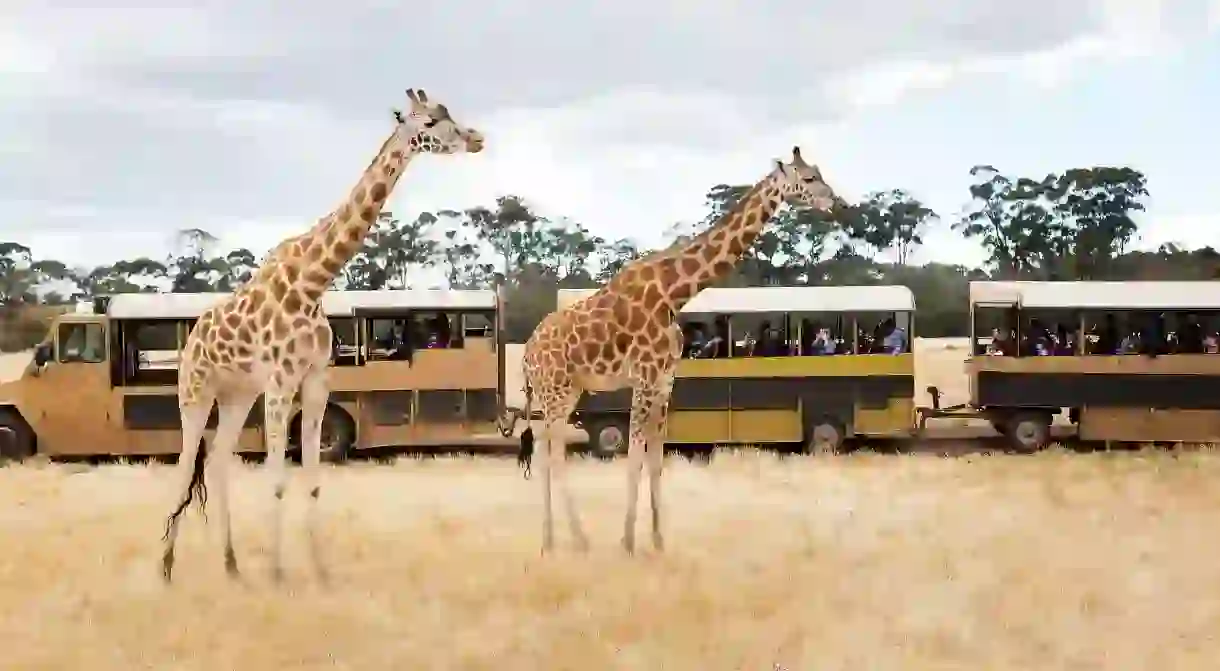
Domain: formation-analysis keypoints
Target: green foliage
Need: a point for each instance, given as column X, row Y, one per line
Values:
column 1073, row 225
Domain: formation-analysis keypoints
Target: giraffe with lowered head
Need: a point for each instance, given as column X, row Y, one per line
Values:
column 271, row 337
column 626, row 335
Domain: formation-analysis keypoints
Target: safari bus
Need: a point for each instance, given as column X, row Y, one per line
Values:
column 1124, row 362
column 408, row 367
column 786, row 366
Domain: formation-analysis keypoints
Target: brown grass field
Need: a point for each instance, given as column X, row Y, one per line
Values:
column 866, row 561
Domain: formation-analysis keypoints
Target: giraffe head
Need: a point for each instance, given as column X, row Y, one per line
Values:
column 429, row 128
column 803, row 183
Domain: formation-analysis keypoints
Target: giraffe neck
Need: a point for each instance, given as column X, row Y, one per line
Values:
column 312, row 261
column 712, row 255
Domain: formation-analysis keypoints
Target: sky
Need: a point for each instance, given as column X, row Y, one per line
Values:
column 120, row 126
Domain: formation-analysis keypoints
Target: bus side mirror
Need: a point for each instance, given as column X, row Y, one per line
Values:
column 42, row 354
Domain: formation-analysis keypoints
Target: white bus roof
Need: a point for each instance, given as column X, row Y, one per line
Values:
column 336, row 303
column 731, row 300
column 1199, row 295
column 864, row 298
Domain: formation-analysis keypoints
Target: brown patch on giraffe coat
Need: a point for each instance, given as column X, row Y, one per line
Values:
column 689, row 266
column 293, row 302
column 344, row 213
column 317, row 278
column 322, row 334
column 288, row 367
column 333, row 265
column 291, row 272
column 652, row 298
column 368, row 214
column 279, row 329
column 396, row 155
column 622, row 342
column 598, row 331
column 279, row 289
column 379, row 192
column 257, row 298
column 638, row 319
column 668, row 272
column 359, row 195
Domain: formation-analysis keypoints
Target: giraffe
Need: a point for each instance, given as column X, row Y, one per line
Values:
column 626, row 335
column 271, row 337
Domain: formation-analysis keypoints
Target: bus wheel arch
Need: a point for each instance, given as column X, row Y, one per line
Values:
column 825, row 436
column 17, row 438
column 338, row 435
column 609, row 434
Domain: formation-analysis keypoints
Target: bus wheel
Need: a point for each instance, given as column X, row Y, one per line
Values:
column 16, row 438
column 608, row 437
column 825, row 438
column 1028, row 432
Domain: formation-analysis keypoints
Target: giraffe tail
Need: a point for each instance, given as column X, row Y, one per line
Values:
column 197, row 490
column 525, row 454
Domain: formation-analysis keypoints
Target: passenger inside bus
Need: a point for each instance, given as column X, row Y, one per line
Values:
column 1145, row 333
column 813, row 339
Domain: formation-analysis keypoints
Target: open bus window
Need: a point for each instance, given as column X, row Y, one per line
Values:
column 478, row 325
column 82, row 343
column 821, row 334
column 345, row 350
column 759, row 334
column 150, row 351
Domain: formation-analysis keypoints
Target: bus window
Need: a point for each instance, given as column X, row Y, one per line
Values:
column 345, row 351
column 82, row 343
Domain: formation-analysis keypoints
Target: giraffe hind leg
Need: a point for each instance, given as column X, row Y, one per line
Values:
column 231, row 417
column 190, row 471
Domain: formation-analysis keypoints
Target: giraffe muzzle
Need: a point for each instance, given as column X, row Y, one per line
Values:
column 474, row 143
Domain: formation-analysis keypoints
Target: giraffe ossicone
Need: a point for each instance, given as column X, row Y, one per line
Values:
column 270, row 337
column 626, row 335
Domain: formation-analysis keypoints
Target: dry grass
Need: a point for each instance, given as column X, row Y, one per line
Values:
column 1055, row 561
column 866, row 561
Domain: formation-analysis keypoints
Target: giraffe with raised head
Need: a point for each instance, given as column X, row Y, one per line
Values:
column 271, row 337
column 626, row 335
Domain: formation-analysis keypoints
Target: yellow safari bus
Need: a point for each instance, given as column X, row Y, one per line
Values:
column 803, row 366
column 1122, row 361
column 409, row 367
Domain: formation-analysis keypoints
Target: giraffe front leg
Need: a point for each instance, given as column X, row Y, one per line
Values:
column 314, row 395
column 544, row 470
column 276, row 405
column 635, row 466
column 656, row 461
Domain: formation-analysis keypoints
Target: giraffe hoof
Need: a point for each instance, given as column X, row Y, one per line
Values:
column 629, row 546
column 231, row 565
column 167, row 567
column 658, row 543
column 277, row 575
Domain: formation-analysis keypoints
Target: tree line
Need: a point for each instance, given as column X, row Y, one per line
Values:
column 1075, row 224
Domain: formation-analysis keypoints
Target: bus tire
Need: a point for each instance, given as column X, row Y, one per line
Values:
column 338, row 436
column 17, row 441
column 1028, row 432
column 825, row 437
column 609, row 436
